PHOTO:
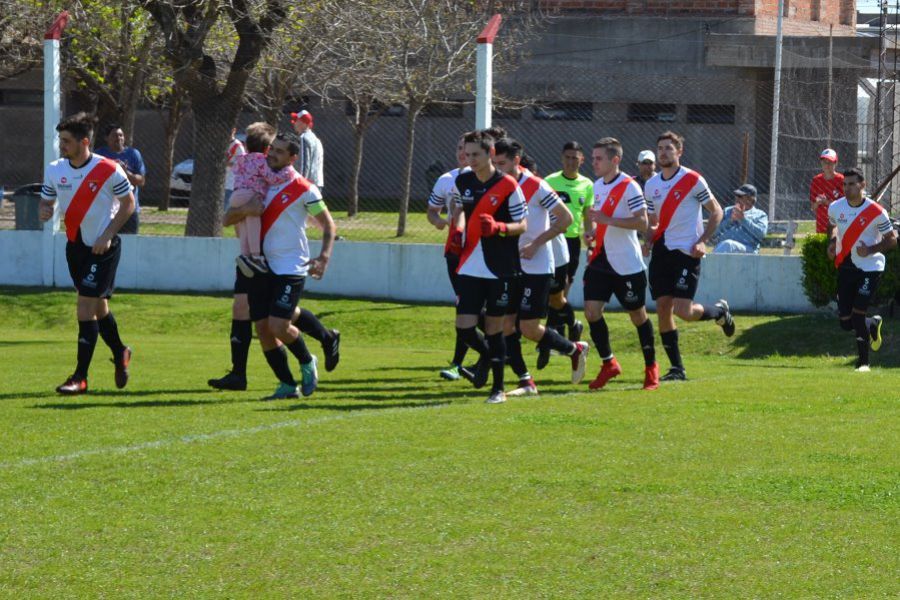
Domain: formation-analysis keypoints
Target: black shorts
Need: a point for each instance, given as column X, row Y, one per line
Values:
column 560, row 278
column 856, row 289
column 574, row 244
column 452, row 265
column 495, row 295
column 274, row 295
column 673, row 273
column 531, row 294
column 630, row 290
column 241, row 282
column 94, row 275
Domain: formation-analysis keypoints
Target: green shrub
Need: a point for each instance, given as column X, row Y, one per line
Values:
column 820, row 276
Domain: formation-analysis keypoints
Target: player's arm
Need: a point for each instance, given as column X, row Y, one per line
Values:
column 637, row 221
column 48, row 200
column 888, row 241
column 126, row 207
column 320, row 213
column 236, row 214
column 715, row 217
column 560, row 220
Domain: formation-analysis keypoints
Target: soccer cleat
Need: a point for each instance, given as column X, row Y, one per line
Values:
column 243, row 266
column 310, row 375
column 863, row 369
column 579, row 361
column 332, row 350
column 674, row 374
column 651, row 377
column 231, row 381
column 477, row 374
column 875, row 333
column 575, row 331
column 726, row 321
column 73, row 386
column 122, row 361
column 284, row 391
column 496, row 398
column 451, row 373
column 607, row 371
column 543, row 357
column 526, row 388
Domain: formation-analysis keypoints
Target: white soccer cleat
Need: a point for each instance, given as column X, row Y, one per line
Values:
column 863, row 369
column 496, row 398
column 526, row 388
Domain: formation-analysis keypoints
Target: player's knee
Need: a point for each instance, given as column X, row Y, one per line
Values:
column 531, row 329
column 638, row 316
column 593, row 312
column 846, row 324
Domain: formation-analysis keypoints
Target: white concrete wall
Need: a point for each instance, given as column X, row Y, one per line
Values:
column 403, row 272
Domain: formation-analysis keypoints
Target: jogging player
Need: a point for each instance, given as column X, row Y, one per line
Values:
column 616, row 265
column 860, row 233
column 273, row 297
column 675, row 198
column 494, row 212
column 547, row 217
column 96, row 199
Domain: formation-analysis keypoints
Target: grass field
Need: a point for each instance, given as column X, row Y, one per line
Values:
column 773, row 472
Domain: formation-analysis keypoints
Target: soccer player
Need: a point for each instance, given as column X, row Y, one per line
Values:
column 439, row 201
column 273, row 297
column 675, row 198
column 494, row 210
column 547, row 218
column 826, row 187
column 616, row 265
column 860, row 233
column 97, row 200
column 577, row 192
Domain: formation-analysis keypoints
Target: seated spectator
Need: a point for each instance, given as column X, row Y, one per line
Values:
column 743, row 227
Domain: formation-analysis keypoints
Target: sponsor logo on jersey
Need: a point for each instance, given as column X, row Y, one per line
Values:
column 63, row 180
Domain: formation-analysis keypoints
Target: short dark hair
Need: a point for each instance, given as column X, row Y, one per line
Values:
column 496, row 132
column 260, row 136
column 573, row 145
column 855, row 171
column 611, row 145
column 80, row 125
column 509, row 147
column 482, row 138
column 677, row 140
column 110, row 128
column 529, row 163
column 293, row 144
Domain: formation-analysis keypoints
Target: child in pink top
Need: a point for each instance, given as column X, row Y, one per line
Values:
column 252, row 178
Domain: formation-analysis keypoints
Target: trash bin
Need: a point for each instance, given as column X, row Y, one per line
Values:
column 28, row 200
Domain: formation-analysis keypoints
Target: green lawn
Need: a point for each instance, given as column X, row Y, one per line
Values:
column 773, row 472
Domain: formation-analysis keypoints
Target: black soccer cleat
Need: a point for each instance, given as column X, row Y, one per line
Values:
column 543, row 357
column 477, row 374
column 73, row 386
column 674, row 374
column 332, row 350
column 121, row 362
column 726, row 321
column 231, row 381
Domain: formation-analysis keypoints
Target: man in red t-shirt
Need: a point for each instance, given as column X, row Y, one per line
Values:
column 826, row 187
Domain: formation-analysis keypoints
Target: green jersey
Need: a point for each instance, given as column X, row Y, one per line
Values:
column 577, row 194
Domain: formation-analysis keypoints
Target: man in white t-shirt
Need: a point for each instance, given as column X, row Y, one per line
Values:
column 274, row 297
column 676, row 197
column 616, row 265
column 311, row 160
column 861, row 232
column 97, row 199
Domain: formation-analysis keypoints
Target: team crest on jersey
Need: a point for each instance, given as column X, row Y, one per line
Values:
column 92, row 185
column 677, row 195
column 493, row 200
column 285, row 198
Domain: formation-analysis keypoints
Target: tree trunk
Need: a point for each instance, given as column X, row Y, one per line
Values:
column 172, row 126
column 359, row 135
column 212, row 133
column 411, row 116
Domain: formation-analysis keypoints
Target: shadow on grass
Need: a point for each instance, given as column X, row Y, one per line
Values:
column 369, row 309
column 354, row 406
column 138, row 404
column 27, row 343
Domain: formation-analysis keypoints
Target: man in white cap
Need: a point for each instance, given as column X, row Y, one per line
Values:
column 309, row 165
column 826, row 187
column 646, row 164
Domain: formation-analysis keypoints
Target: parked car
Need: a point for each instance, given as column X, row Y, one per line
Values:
column 180, row 183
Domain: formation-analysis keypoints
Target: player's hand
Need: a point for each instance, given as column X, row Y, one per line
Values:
column 440, row 224
column 254, row 208
column 102, row 244
column 599, row 217
column 698, row 250
column 317, row 266
column 528, row 250
column 490, row 227
column 864, row 250
column 832, row 249
column 588, row 237
column 456, row 242
column 45, row 211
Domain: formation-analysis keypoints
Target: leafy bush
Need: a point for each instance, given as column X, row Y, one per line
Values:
column 820, row 276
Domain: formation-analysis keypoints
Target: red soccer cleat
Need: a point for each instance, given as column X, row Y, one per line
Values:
column 122, row 361
column 608, row 371
column 651, row 377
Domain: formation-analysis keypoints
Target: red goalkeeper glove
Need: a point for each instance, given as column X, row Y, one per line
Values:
column 490, row 227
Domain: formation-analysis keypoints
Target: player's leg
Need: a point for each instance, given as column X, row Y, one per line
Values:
column 513, row 338
column 631, row 292
column 598, row 289
column 859, row 288
column 687, row 271
column 260, row 297
column 288, row 290
column 472, row 294
column 499, row 295
column 452, row 373
column 663, row 275
column 330, row 339
column 241, row 337
column 532, row 310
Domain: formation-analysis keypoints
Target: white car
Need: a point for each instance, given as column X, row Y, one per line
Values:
column 180, row 183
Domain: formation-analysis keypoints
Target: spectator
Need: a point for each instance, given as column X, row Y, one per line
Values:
column 132, row 162
column 826, row 187
column 743, row 226
column 309, row 165
column 235, row 148
column 646, row 164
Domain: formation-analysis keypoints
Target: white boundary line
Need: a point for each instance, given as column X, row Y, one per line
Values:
column 207, row 437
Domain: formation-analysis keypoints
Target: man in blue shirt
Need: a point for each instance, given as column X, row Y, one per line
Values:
column 133, row 163
column 743, row 226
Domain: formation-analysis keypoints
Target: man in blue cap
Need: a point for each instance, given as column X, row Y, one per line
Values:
column 743, row 226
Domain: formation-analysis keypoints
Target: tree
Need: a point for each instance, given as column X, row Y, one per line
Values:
column 195, row 32
column 22, row 26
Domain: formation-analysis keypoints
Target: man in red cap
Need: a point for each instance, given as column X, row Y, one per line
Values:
column 826, row 187
column 309, row 165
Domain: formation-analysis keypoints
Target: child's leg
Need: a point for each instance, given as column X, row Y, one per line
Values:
column 241, row 197
column 241, row 229
column 252, row 226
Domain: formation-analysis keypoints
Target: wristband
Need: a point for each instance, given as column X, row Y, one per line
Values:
column 503, row 229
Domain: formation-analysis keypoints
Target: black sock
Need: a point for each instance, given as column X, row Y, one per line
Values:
column 553, row 317
column 459, row 353
column 481, row 317
column 645, row 335
column 514, row 355
column 568, row 314
column 497, row 350
column 312, row 326
column 109, row 331
column 241, row 338
column 552, row 340
column 710, row 313
column 277, row 359
column 600, row 336
column 846, row 324
column 87, row 341
column 472, row 339
column 862, row 338
column 670, row 343
column 298, row 348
